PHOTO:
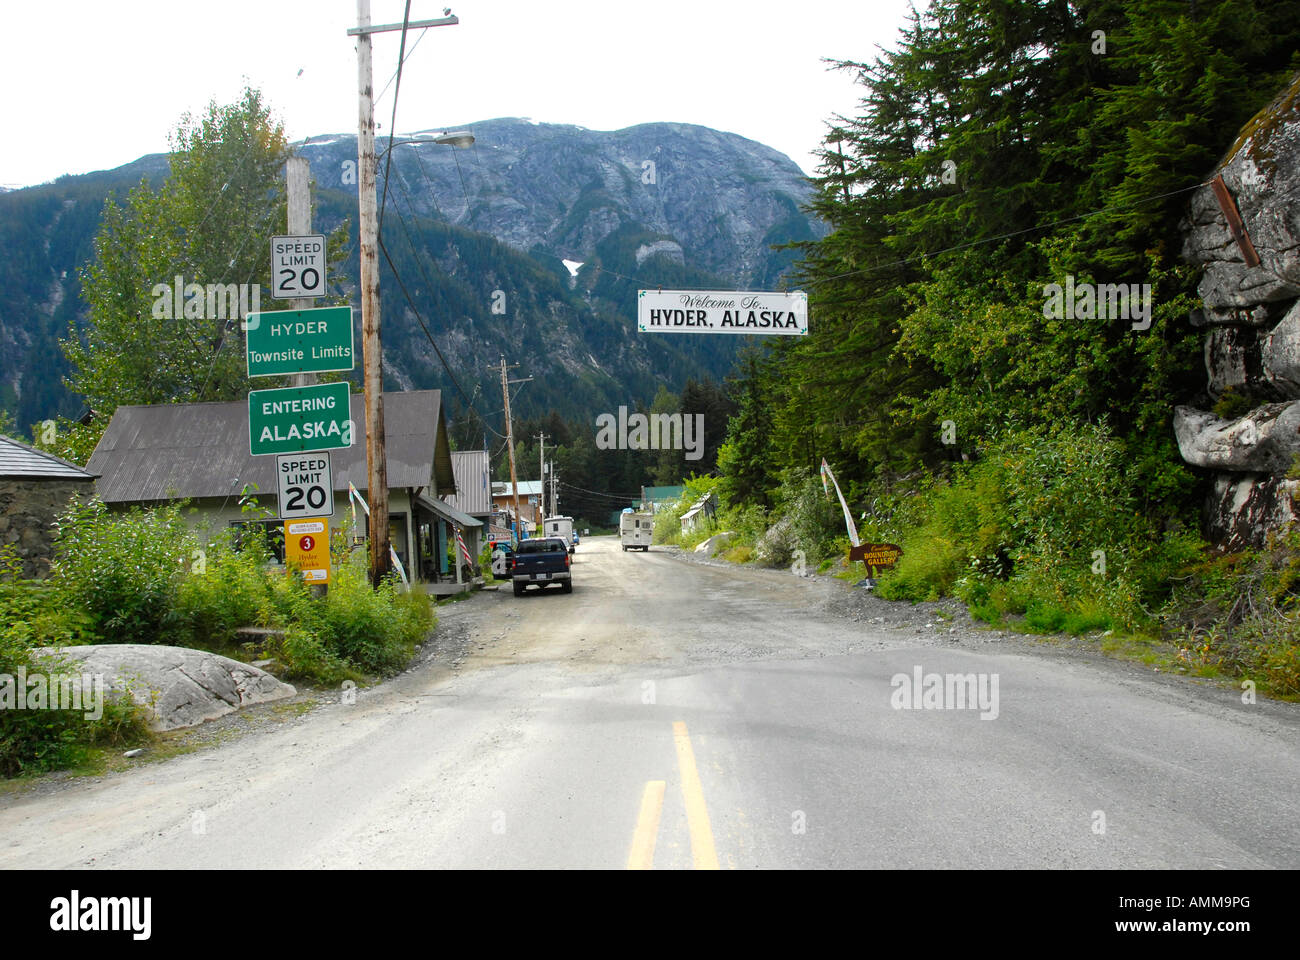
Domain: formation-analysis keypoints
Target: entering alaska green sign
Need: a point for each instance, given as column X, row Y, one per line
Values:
column 299, row 341
column 293, row 419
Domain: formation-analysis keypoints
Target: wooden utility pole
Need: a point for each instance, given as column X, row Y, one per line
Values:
column 376, row 464
column 510, row 443
column 297, row 175
column 372, row 350
column 541, row 474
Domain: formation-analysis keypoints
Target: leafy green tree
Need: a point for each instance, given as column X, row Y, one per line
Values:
column 208, row 223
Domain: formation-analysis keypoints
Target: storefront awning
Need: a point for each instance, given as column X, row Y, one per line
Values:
column 447, row 511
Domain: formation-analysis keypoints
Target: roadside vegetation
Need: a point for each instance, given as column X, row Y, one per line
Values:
column 1024, row 460
column 151, row 576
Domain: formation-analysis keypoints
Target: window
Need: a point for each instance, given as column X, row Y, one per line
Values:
column 274, row 534
column 543, row 546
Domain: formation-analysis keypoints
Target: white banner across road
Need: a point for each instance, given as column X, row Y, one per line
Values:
column 728, row 311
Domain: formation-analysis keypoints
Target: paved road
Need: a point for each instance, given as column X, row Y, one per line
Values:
column 672, row 715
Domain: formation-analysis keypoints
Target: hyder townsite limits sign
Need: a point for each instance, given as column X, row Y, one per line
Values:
column 281, row 342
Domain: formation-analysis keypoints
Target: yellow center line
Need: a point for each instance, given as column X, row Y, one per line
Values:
column 697, row 813
column 642, row 856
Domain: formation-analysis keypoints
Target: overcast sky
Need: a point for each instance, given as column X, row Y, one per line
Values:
column 94, row 84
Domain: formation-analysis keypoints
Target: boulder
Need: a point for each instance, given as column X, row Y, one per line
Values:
column 1262, row 172
column 1280, row 354
column 1243, row 508
column 1233, row 359
column 1256, row 316
column 1259, row 361
column 1252, row 346
column 715, row 543
column 180, row 687
column 1265, row 440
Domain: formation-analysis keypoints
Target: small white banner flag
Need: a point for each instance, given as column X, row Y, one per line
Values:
column 730, row 311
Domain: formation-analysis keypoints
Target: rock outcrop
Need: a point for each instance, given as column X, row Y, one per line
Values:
column 1266, row 440
column 179, row 686
column 1252, row 320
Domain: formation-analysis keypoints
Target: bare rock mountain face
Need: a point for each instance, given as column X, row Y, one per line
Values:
column 719, row 198
column 1252, row 321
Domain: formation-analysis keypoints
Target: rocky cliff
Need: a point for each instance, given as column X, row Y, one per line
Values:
column 714, row 199
column 1251, row 318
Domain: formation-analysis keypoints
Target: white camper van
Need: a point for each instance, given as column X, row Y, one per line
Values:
column 636, row 530
column 561, row 527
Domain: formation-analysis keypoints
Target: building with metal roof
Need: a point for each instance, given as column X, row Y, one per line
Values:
column 19, row 460
column 35, row 488
column 200, row 452
column 473, row 470
column 653, row 498
column 531, row 506
column 473, row 496
column 527, row 488
column 701, row 512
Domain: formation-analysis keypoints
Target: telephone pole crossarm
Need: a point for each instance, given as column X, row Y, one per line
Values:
column 365, row 30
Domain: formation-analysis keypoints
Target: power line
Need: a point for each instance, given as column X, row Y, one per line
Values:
column 429, row 283
column 599, row 493
column 423, row 34
column 392, row 128
column 420, row 319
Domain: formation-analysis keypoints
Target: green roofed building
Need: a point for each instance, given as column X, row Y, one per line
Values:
column 652, row 498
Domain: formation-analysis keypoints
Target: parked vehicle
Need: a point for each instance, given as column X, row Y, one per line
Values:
column 501, row 552
column 540, row 562
column 561, row 527
column 636, row 531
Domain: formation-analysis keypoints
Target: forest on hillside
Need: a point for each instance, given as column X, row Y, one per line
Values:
column 1024, row 461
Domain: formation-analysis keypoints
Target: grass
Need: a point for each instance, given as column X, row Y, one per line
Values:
column 744, row 553
column 98, row 761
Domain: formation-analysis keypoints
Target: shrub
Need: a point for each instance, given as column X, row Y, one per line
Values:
column 124, row 570
column 747, row 524
column 815, row 518
column 1240, row 614
column 1046, row 524
column 228, row 589
column 352, row 628
column 776, row 546
column 34, row 741
column 926, row 571
column 742, row 553
column 668, row 519
column 145, row 576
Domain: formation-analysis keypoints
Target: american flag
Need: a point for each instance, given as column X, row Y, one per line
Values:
column 464, row 550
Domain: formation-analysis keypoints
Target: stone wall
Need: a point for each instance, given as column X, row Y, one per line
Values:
column 28, row 509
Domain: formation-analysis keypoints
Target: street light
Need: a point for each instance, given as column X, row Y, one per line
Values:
column 456, row 138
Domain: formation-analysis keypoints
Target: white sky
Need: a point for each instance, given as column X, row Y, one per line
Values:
column 94, row 84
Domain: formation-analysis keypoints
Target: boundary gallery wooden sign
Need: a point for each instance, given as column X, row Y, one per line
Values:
column 877, row 556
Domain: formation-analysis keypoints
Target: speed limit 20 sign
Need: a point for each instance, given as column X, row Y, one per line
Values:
column 306, row 485
column 298, row 267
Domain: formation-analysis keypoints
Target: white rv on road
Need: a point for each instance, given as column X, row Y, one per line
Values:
column 636, row 530
column 561, row 527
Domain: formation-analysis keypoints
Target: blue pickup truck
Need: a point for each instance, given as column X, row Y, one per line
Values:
column 541, row 562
